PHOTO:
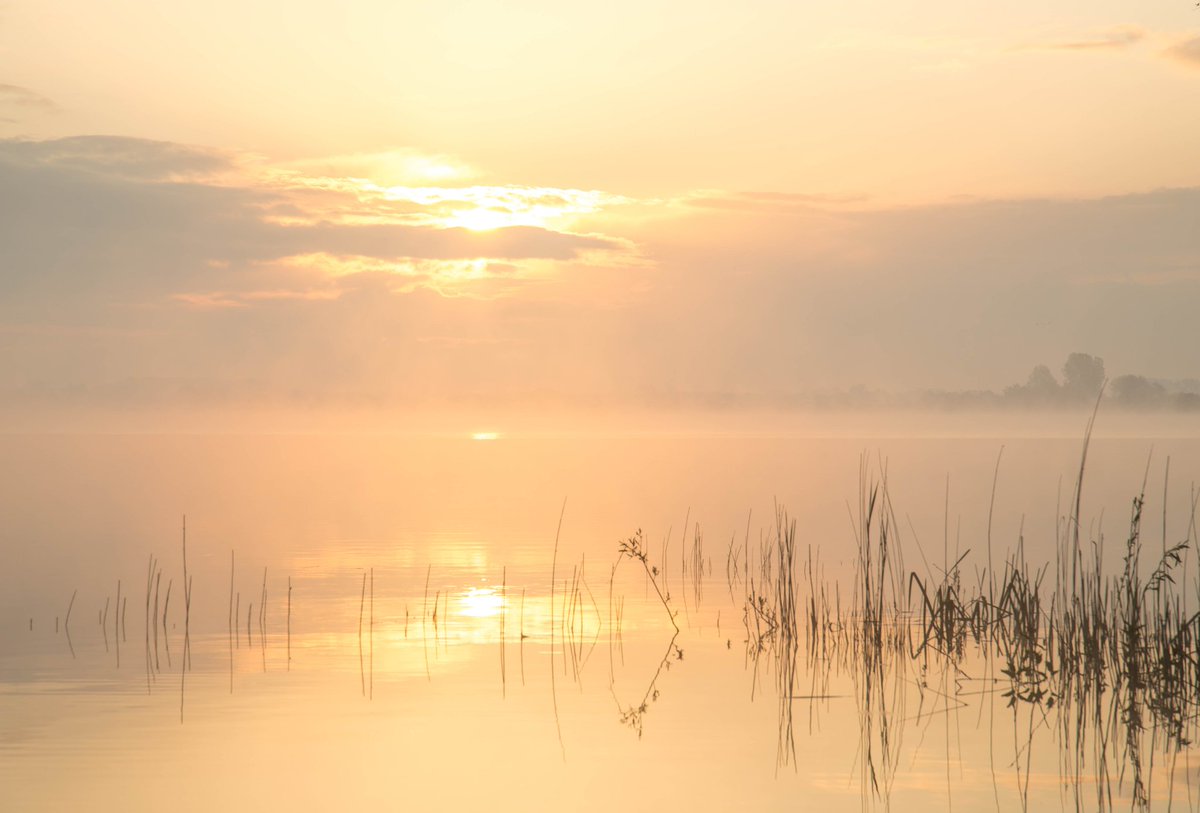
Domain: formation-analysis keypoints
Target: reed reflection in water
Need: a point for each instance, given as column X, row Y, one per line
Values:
column 994, row 681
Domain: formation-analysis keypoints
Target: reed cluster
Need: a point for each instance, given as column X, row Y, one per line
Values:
column 1106, row 657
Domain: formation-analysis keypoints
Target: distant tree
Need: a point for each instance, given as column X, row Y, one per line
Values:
column 1138, row 391
column 1189, row 401
column 1083, row 376
column 1042, row 382
column 1040, row 388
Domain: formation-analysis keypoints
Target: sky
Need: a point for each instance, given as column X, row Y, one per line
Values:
column 399, row 203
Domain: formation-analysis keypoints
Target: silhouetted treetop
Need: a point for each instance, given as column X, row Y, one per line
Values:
column 1083, row 377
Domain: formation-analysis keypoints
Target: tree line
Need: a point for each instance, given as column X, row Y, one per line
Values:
column 1083, row 378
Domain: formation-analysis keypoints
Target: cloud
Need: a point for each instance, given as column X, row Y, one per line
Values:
column 319, row 276
column 130, row 220
column 118, row 157
column 1186, row 51
column 387, row 168
column 135, row 270
column 363, row 201
column 768, row 201
column 427, row 242
column 930, row 296
column 1114, row 39
column 15, row 96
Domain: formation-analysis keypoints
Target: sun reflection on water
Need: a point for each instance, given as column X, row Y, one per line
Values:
column 481, row 602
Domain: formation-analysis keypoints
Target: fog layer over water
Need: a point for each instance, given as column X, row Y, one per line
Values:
column 409, row 618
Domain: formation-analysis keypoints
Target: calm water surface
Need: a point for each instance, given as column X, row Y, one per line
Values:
column 411, row 653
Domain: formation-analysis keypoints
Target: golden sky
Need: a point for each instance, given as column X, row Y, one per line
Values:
column 468, row 199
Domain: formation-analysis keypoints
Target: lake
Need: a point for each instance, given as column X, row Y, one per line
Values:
column 445, row 619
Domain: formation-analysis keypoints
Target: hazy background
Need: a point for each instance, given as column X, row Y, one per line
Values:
column 388, row 206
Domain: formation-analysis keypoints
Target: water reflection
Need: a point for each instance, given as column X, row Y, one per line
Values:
column 774, row 678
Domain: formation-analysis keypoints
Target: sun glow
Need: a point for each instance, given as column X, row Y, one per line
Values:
column 485, row 436
column 484, row 208
column 481, row 602
column 489, row 219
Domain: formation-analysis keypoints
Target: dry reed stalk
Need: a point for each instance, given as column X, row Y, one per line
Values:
column 424, row 617
column 157, row 583
column 229, row 623
column 521, row 638
column 553, row 689
column 262, row 608
column 371, row 638
column 187, row 611
column 503, row 618
column 361, row 602
column 166, row 606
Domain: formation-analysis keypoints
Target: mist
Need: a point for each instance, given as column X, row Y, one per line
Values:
column 143, row 275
